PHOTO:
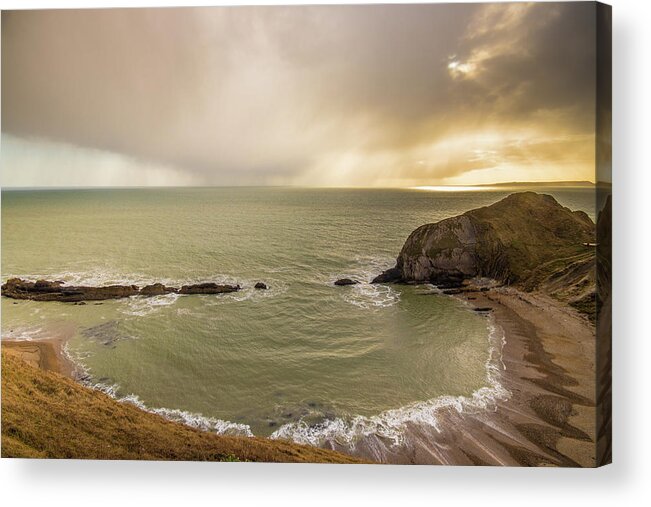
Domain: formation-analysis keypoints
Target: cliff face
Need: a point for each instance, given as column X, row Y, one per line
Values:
column 526, row 238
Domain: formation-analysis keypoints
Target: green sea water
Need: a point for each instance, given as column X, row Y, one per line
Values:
column 304, row 359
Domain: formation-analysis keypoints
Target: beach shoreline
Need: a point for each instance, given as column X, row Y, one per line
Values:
column 549, row 372
column 46, row 354
column 547, row 418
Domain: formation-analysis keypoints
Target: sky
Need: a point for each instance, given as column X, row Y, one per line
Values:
column 336, row 96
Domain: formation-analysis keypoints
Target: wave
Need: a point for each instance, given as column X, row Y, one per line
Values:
column 91, row 277
column 144, row 305
column 391, row 424
column 248, row 292
column 365, row 294
column 26, row 334
column 194, row 420
column 346, row 431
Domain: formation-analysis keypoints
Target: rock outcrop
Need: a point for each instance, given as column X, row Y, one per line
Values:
column 156, row 289
column 526, row 238
column 346, row 281
column 208, row 288
column 43, row 290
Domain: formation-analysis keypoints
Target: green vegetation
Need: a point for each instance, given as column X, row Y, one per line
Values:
column 525, row 230
column 46, row 415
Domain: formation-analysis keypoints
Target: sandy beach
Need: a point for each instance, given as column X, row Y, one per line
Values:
column 44, row 354
column 548, row 417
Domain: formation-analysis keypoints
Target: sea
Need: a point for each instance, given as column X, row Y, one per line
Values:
column 351, row 368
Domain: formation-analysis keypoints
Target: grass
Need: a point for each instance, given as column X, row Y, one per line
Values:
column 46, row 415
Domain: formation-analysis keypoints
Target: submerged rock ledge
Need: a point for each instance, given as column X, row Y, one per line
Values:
column 44, row 290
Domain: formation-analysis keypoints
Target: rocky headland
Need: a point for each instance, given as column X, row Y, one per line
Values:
column 526, row 240
column 530, row 264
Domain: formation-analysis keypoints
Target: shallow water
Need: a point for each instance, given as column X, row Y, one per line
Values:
column 303, row 360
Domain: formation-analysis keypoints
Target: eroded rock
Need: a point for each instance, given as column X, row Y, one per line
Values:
column 523, row 234
column 346, row 281
column 43, row 290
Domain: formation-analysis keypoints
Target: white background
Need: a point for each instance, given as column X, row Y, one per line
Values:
column 626, row 482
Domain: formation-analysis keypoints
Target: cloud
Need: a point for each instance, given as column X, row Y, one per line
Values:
column 314, row 95
column 28, row 163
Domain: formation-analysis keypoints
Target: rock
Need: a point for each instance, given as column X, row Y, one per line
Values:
column 483, row 309
column 208, row 288
column 45, row 286
column 390, row 275
column 156, row 289
column 260, row 285
column 43, row 290
column 107, row 333
column 506, row 241
column 346, row 281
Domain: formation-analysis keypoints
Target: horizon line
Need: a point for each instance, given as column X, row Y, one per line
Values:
column 506, row 184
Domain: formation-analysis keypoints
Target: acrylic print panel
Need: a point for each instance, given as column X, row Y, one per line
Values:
column 342, row 234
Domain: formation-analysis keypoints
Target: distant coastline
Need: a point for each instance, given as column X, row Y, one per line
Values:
column 546, row 184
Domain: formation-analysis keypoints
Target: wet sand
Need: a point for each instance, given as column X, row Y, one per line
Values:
column 44, row 354
column 548, row 418
column 550, row 372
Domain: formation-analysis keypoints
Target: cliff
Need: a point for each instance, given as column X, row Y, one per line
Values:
column 526, row 239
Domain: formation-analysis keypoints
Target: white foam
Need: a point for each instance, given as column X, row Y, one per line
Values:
column 102, row 277
column 90, row 277
column 365, row 294
column 391, row 424
column 194, row 420
column 146, row 305
column 27, row 334
column 248, row 292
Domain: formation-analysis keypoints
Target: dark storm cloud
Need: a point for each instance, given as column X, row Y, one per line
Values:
column 533, row 57
column 340, row 95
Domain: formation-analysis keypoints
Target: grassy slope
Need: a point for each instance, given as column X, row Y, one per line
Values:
column 45, row 415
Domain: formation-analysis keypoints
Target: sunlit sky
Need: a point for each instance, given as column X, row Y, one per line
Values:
column 388, row 96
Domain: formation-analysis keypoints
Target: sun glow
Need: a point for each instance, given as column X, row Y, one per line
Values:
column 451, row 188
column 460, row 69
